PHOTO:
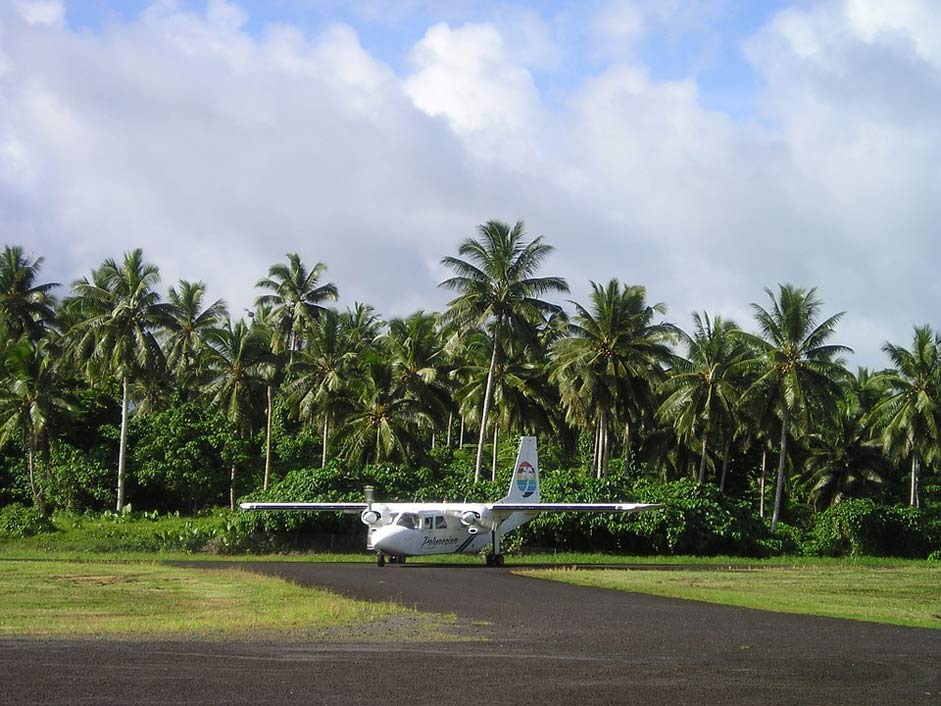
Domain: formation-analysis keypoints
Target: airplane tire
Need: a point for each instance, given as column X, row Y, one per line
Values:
column 380, row 559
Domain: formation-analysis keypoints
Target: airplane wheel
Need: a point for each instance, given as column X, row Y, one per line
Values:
column 498, row 560
column 380, row 559
column 489, row 559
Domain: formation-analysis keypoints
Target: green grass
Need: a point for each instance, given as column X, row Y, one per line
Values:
column 900, row 593
column 64, row 599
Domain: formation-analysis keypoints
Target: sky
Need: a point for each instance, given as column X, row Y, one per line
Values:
column 705, row 149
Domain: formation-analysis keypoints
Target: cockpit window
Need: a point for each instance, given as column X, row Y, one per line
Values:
column 440, row 522
column 408, row 519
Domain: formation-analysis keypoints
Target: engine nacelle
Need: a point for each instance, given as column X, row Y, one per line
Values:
column 370, row 517
column 478, row 521
column 470, row 518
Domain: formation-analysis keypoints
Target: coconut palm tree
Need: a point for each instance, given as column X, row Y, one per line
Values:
column 910, row 416
column 297, row 297
column 417, row 356
column 29, row 397
column 614, row 354
column 794, row 367
column 843, row 461
column 119, row 310
column 702, row 389
column 186, row 325
column 497, row 289
column 273, row 372
column 321, row 374
column 382, row 420
column 522, row 397
column 25, row 307
column 238, row 355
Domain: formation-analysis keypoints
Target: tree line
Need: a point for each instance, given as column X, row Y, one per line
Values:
column 610, row 382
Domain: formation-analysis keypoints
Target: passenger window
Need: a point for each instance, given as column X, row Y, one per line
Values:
column 426, row 523
column 440, row 523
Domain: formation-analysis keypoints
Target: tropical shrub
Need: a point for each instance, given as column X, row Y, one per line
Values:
column 80, row 479
column 178, row 457
column 17, row 520
column 695, row 519
column 863, row 528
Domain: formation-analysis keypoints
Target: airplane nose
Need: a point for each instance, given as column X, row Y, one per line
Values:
column 390, row 540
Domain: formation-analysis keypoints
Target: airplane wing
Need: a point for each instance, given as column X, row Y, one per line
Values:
column 574, row 507
column 337, row 507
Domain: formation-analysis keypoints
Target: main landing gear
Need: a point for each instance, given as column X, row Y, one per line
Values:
column 495, row 558
column 393, row 559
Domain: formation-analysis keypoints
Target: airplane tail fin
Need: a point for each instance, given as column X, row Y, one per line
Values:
column 524, row 486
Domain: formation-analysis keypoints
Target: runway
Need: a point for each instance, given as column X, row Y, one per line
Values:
column 533, row 642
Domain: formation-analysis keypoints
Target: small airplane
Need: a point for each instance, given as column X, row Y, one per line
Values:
column 400, row 530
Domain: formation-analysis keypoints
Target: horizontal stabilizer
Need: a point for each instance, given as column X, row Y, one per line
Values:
column 338, row 507
column 574, row 507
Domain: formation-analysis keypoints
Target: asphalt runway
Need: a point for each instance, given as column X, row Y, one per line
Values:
column 536, row 642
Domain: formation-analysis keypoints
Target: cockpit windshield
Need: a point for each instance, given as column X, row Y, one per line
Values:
column 408, row 519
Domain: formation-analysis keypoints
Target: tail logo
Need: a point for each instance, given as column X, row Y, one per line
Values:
column 526, row 479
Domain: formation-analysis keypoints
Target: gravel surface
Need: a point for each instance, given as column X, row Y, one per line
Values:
column 535, row 642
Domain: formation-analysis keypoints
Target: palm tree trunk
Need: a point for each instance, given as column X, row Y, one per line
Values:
column 913, row 495
column 122, row 446
column 232, row 488
column 460, row 440
column 38, row 497
column 605, row 445
column 483, row 415
column 702, row 460
column 450, row 423
column 268, row 438
column 782, row 460
column 725, row 464
column 326, row 429
column 596, row 454
column 627, row 447
column 761, row 485
column 493, row 468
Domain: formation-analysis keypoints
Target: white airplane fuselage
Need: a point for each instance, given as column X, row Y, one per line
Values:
column 418, row 529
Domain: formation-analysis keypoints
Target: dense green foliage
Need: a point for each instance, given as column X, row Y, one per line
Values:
column 17, row 520
column 756, row 443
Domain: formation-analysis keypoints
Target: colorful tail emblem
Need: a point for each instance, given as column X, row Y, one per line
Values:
column 526, row 479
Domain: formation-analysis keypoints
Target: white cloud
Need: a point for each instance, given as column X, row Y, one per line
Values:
column 466, row 76
column 46, row 12
column 218, row 149
column 621, row 21
column 915, row 21
column 218, row 153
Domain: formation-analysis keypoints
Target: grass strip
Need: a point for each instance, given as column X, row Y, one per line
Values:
column 907, row 594
column 63, row 599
